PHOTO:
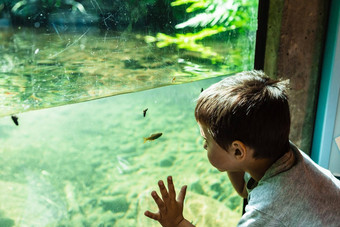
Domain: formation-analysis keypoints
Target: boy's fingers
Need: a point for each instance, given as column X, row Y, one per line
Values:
column 182, row 193
column 158, row 201
column 172, row 192
column 163, row 191
column 153, row 216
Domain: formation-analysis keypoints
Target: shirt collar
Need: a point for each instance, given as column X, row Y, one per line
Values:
column 283, row 164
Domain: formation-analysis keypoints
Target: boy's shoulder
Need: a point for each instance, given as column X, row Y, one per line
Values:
column 295, row 190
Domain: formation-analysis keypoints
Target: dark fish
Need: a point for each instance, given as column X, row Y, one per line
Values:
column 153, row 137
column 144, row 112
column 15, row 120
column 202, row 89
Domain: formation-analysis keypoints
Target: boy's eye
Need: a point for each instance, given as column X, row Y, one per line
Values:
column 205, row 145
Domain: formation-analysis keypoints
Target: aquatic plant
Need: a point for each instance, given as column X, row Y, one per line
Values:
column 210, row 18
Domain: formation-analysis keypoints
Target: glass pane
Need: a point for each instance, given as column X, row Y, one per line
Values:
column 56, row 52
column 86, row 164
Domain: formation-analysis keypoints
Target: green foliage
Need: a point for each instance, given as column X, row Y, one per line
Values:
column 211, row 17
column 230, row 13
column 188, row 41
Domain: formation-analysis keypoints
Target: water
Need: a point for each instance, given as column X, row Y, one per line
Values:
column 76, row 163
column 50, row 67
column 86, row 164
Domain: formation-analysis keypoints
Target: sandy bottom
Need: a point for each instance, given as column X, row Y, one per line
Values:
column 86, row 164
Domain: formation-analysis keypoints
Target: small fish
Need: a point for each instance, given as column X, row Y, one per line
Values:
column 144, row 112
column 153, row 137
column 15, row 120
column 202, row 90
column 173, row 80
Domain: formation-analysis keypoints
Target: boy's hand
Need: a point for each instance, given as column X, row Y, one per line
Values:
column 170, row 213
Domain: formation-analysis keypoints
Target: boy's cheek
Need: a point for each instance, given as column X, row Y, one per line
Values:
column 211, row 158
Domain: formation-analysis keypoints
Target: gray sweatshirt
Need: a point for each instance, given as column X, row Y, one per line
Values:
column 293, row 192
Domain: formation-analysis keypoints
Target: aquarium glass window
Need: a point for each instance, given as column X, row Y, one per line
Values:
column 88, row 164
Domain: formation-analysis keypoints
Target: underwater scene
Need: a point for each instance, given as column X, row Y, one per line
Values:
column 97, row 104
column 40, row 70
column 86, row 164
column 60, row 52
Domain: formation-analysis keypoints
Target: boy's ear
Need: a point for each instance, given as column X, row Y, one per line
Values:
column 238, row 149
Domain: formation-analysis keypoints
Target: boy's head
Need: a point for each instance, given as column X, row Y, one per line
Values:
column 248, row 107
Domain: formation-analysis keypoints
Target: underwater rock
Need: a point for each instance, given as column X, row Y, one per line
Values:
column 126, row 222
column 205, row 211
column 108, row 219
column 115, row 204
column 160, row 64
column 133, row 64
column 77, row 220
column 167, row 162
column 232, row 201
column 196, row 187
column 132, row 211
column 6, row 222
column 217, row 188
column 98, row 217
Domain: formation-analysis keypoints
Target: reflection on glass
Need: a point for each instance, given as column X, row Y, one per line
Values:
column 86, row 164
column 75, row 51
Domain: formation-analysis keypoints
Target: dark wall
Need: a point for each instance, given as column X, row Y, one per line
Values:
column 295, row 43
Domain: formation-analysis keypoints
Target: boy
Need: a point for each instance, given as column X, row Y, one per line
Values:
column 245, row 122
